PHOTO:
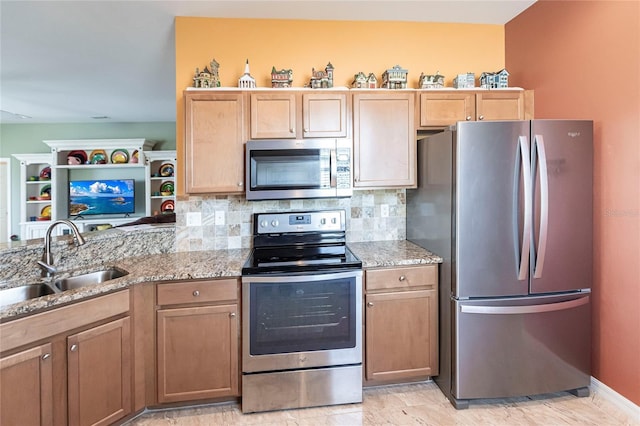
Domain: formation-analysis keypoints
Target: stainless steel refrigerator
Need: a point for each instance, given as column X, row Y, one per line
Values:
column 508, row 205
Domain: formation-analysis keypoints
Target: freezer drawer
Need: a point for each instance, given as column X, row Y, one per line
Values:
column 521, row 346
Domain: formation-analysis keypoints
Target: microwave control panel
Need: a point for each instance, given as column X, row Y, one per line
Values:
column 343, row 163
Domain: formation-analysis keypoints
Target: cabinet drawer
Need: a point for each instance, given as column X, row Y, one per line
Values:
column 401, row 278
column 197, row 291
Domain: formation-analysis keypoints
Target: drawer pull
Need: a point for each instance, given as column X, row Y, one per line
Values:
column 402, row 278
column 46, row 356
column 468, row 118
column 196, row 293
column 481, row 117
column 73, row 348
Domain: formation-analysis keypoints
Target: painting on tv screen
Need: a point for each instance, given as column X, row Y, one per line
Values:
column 105, row 196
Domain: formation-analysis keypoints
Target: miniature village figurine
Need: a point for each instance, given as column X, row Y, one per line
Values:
column 494, row 80
column 395, row 78
column 362, row 81
column 431, row 81
column 465, row 81
column 322, row 79
column 246, row 81
column 282, row 78
column 208, row 77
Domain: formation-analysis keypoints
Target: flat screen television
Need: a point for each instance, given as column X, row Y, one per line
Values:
column 101, row 196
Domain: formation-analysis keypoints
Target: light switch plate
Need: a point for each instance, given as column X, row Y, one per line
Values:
column 220, row 219
column 194, row 219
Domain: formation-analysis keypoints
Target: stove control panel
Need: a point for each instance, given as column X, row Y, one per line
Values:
column 325, row 220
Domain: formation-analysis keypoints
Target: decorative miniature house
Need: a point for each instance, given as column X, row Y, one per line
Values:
column 431, row 81
column 208, row 77
column 494, row 80
column 322, row 79
column 372, row 81
column 246, row 81
column 282, row 78
column 362, row 81
column 395, row 78
column 465, row 81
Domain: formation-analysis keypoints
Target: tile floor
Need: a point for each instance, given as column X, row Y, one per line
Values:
column 415, row 404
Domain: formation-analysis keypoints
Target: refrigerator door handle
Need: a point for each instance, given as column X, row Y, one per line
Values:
column 544, row 206
column 526, row 228
column 534, row 309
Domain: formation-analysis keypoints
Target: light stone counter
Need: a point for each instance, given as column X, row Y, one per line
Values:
column 377, row 254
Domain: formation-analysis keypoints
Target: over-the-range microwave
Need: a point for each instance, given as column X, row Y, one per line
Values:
column 298, row 168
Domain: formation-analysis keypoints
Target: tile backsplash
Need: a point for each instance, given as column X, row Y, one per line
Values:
column 225, row 221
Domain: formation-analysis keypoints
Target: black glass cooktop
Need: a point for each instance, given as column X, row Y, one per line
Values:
column 300, row 259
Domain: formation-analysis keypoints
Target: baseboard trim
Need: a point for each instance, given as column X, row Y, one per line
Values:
column 627, row 406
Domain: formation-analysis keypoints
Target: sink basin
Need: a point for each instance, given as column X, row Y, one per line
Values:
column 13, row 295
column 92, row 278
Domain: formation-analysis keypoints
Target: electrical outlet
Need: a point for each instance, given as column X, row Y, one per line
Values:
column 220, row 217
column 194, row 219
column 384, row 210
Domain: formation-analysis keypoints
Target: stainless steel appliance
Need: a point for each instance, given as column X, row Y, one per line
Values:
column 298, row 168
column 508, row 205
column 301, row 313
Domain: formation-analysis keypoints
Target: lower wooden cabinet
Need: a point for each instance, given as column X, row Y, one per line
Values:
column 401, row 329
column 99, row 374
column 26, row 396
column 197, row 346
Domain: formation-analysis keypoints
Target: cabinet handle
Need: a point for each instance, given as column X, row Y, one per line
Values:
column 292, row 130
column 481, row 117
column 46, row 356
column 232, row 314
column 73, row 348
column 468, row 118
column 196, row 293
column 370, row 304
column 402, row 278
column 240, row 184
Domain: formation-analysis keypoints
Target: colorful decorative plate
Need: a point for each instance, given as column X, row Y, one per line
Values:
column 166, row 187
column 166, row 170
column 45, row 174
column 46, row 211
column 98, row 156
column 75, row 158
column 167, row 206
column 45, row 193
column 120, row 156
column 134, row 157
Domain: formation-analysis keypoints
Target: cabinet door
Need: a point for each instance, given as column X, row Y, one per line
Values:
column 498, row 105
column 324, row 115
column 401, row 335
column 214, row 138
column 273, row 115
column 99, row 374
column 197, row 353
column 384, row 140
column 444, row 109
column 26, row 383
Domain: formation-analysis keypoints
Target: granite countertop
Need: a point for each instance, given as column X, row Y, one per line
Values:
column 200, row 265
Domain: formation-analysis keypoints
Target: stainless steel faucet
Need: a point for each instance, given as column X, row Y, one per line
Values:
column 47, row 259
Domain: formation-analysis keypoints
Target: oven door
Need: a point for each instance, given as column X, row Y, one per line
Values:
column 301, row 321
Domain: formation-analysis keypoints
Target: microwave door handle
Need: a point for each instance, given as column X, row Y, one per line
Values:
column 333, row 160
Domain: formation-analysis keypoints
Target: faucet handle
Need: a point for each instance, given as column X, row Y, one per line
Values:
column 49, row 269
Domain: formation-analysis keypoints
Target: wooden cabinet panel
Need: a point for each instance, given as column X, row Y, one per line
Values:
column 197, row 353
column 26, row 387
column 324, row 115
column 401, row 335
column 214, row 141
column 273, row 115
column 99, row 374
column 384, row 140
column 411, row 277
column 445, row 108
column 499, row 105
column 197, row 291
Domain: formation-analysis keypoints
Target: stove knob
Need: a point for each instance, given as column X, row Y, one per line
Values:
column 323, row 221
column 333, row 220
column 275, row 223
column 264, row 224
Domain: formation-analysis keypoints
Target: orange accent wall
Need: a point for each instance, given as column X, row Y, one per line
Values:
column 351, row 46
column 582, row 58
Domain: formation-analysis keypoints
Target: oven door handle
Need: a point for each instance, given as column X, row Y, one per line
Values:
column 290, row 278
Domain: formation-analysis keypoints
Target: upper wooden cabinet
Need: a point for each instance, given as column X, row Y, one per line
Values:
column 384, row 139
column 441, row 108
column 298, row 114
column 215, row 133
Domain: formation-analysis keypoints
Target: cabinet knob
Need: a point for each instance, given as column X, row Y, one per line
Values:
column 46, row 356
column 370, row 304
column 73, row 348
column 292, row 130
column 468, row 118
column 232, row 314
column 240, row 184
column 196, row 293
column 481, row 117
column 402, row 278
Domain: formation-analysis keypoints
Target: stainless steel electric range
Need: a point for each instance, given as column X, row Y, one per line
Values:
column 301, row 313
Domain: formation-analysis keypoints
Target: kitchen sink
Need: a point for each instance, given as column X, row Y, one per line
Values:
column 13, row 295
column 92, row 278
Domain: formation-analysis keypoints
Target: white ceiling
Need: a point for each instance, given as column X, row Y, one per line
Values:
column 68, row 61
